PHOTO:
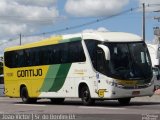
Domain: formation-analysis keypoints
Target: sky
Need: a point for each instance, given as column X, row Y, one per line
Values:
column 30, row 18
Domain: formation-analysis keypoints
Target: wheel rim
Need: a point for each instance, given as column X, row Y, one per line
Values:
column 24, row 96
column 24, row 99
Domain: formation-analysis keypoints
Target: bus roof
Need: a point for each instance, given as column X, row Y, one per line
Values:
column 101, row 36
column 113, row 36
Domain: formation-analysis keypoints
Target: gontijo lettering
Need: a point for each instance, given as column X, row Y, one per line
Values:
column 29, row 73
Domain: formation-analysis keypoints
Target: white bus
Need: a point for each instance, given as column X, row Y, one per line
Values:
column 154, row 51
column 91, row 66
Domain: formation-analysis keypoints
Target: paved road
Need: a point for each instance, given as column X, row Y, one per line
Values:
column 145, row 108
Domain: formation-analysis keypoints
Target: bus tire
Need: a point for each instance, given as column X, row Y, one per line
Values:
column 85, row 96
column 57, row 100
column 124, row 101
column 25, row 97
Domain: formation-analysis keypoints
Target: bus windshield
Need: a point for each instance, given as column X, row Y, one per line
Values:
column 129, row 61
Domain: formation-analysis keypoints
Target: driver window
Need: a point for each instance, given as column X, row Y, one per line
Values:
column 100, row 61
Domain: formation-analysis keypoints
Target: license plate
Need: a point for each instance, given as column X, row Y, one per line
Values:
column 135, row 92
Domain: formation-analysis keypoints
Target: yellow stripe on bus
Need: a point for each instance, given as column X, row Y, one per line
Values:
column 127, row 82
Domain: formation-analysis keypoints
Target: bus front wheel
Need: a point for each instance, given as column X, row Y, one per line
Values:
column 85, row 96
column 124, row 101
column 25, row 97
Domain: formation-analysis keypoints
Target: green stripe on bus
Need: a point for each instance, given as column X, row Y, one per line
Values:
column 71, row 40
column 60, row 78
column 50, row 77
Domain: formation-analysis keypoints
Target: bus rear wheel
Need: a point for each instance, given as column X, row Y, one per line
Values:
column 124, row 101
column 57, row 100
column 85, row 96
column 25, row 97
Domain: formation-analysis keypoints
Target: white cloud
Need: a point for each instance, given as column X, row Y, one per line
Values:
column 100, row 29
column 25, row 40
column 26, row 16
column 16, row 41
column 42, row 3
column 153, row 6
column 93, row 8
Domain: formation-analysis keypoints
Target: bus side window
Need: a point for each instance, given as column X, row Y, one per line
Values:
column 27, row 58
column 72, row 52
column 64, row 53
column 20, row 59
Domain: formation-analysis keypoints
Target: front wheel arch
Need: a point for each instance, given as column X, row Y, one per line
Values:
column 84, row 94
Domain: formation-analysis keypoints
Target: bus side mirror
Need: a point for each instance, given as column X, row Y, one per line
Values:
column 106, row 51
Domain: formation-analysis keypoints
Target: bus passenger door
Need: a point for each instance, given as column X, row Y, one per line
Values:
column 100, row 67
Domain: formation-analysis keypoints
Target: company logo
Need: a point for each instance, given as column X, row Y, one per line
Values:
column 29, row 73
